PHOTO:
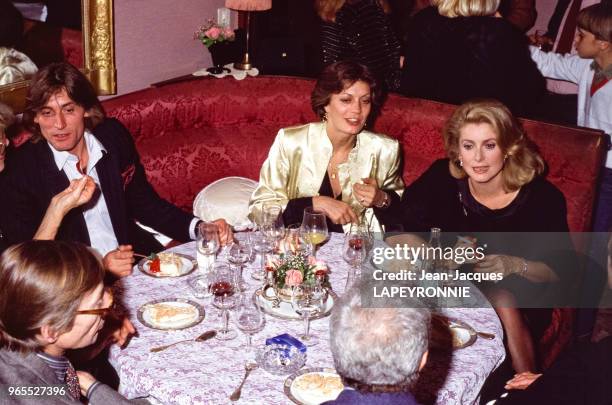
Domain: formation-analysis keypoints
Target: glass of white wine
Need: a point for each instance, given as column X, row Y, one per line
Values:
column 314, row 228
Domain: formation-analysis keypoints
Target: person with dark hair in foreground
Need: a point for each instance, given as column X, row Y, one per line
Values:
column 336, row 165
column 73, row 138
column 378, row 352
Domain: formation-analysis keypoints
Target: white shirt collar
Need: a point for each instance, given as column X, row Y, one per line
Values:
column 95, row 150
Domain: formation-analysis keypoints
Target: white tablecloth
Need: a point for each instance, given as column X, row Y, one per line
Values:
column 208, row 372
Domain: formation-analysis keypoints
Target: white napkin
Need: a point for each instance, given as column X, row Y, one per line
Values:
column 236, row 73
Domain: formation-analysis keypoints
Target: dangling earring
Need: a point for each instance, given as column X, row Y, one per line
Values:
column 460, row 162
column 505, row 157
column 324, row 118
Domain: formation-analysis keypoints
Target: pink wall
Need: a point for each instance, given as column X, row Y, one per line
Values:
column 153, row 40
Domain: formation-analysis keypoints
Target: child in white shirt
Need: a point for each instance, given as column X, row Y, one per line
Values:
column 591, row 69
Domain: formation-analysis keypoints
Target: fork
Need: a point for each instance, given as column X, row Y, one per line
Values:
column 248, row 367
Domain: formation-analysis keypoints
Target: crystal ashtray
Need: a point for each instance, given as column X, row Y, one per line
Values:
column 279, row 359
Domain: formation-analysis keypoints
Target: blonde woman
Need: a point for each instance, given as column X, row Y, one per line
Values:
column 458, row 50
column 361, row 30
column 491, row 187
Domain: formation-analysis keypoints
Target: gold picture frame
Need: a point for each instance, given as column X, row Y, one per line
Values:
column 99, row 54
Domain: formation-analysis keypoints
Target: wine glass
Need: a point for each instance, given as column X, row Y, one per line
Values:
column 296, row 242
column 261, row 244
column 354, row 252
column 224, row 288
column 238, row 254
column 273, row 225
column 207, row 243
column 314, row 228
column 306, row 304
column 250, row 321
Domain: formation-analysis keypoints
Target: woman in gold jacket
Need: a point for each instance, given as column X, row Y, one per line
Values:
column 335, row 166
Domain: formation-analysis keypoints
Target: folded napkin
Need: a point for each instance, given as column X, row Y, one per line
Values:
column 287, row 340
column 236, row 73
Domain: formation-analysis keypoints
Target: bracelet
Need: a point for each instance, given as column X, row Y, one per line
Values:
column 385, row 202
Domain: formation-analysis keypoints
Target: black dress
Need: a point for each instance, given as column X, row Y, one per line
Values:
column 532, row 226
column 363, row 32
column 456, row 59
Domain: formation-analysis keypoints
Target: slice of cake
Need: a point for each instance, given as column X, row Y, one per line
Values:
column 171, row 314
column 169, row 264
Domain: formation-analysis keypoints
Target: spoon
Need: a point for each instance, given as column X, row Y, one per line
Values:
column 484, row 335
column 203, row 337
column 248, row 367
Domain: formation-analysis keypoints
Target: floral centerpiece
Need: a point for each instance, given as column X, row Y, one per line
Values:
column 291, row 270
column 212, row 33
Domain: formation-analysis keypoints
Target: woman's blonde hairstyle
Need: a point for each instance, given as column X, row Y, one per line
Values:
column 466, row 8
column 327, row 9
column 522, row 161
column 43, row 283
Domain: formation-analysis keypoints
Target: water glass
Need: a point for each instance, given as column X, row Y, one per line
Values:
column 250, row 320
column 238, row 254
column 261, row 244
column 207, row 243
column 306, row 304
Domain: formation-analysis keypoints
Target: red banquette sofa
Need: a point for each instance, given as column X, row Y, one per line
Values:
column 192, row 133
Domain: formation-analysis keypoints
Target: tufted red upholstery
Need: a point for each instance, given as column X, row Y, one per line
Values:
column 192, row 133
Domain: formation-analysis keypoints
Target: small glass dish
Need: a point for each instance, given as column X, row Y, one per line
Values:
column 280, row 359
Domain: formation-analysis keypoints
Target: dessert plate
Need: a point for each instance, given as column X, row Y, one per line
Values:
column 170, row 314
column 314, row 385
column 285, row 309
column 188, row 264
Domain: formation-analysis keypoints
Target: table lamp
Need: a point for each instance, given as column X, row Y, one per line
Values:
column 247, row 6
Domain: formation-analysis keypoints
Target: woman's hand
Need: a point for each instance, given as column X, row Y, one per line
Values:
column 226, row 236
column 120, row 261
column 338, row 212
column 521, row 381
column 77, row 193
column 85, row 381
column 368, row 193
column 506, row 265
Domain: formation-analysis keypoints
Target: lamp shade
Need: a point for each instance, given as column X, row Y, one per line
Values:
column 249, row 5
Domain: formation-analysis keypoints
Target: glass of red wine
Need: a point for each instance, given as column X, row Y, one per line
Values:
column 354, row 252
column 226, row 296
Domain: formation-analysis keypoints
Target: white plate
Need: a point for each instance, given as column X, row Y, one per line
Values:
column 189, row 313
column 308, row 394
column 188, row 263
column 285, row 310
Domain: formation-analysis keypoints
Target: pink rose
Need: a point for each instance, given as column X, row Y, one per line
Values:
column 293, row 278
column 213, row 33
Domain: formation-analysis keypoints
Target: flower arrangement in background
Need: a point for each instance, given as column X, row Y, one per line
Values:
column 212, row 33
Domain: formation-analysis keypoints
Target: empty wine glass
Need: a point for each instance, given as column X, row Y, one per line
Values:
column 296, row 242
column 250, row 320
column 354, row 252
column 207, row 243
column 224, row 289
column 238, row 254
column 306, row 304
column 261, row 244
column 314, row 228
column 273, row 225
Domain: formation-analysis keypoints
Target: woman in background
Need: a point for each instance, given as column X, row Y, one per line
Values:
column 361, row 30
column 459, row 50
column 335, row 165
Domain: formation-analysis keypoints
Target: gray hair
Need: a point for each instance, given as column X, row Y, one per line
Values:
column 378, row 346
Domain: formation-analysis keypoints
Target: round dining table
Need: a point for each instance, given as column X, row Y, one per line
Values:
column 208, row 372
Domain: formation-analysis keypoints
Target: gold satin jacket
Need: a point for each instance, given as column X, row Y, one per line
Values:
column 298, row 160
